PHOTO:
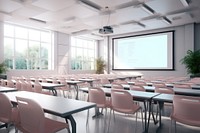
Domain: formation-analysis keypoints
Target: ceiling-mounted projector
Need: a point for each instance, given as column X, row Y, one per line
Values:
column 106, row 30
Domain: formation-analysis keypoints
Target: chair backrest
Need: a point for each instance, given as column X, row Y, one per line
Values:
column 184, row 86
column 26, row 86
column 141, row 83
column 121, row 101
column 18, row 85
column 186, row 109
column 6, row 109
column 97, row 95
column 3, row 82
column 164, row 90
column 105, row 81
column 117, row 86
column 159, row 85
column 10, row 84
column 137, row 88
column 37, row 87
column 31, row 115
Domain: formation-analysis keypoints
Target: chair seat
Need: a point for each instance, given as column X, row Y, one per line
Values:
column 132, row 110
column 188, row 122
column 51, row 126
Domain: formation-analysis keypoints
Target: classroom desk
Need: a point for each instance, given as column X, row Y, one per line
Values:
column 52, row 105
column 145, row 97
column 89, row 80
column 7, row 89
column 75, row 84
column 179, row 91
column 51, row 87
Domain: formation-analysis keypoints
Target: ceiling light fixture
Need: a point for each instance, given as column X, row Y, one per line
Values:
column 147, row 9
column 165, row 19
column 106, row 29
column 90, row 5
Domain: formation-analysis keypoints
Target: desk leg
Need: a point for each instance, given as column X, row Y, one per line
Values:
column 54, row 92
column 145, row 117
column 72, row 121
column 161, row 104
column 76, row 88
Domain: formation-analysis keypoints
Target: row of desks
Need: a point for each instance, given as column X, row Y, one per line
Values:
column 148, row 97
column 57, row 106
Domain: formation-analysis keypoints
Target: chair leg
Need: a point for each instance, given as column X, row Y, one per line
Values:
column 109, row 120
column 142, row 118
column 175, row 126
column 136, row 122
column 87, row 118
column 170, row 128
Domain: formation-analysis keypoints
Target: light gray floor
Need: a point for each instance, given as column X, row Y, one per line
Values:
column 122, row 124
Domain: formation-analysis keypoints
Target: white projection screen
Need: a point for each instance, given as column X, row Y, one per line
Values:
column 144, row 52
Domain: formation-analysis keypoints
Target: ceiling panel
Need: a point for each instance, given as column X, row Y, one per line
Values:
column 54, row 5
column 164, row 6
column 110, row 3
column 9, row 6
column 29, row 11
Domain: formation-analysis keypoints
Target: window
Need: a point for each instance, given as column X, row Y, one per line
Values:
column 83, row 54
column 27, row 48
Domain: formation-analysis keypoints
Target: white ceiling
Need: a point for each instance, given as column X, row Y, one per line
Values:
column 79, row 17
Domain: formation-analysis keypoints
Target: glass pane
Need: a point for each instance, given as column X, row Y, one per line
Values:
column 73, row 41
column 21, row 32
column 8, row 30
column 9, row 63
column 8, row 47
column 20, row 63
column 45, row 37
column 73, row 52
column 79, row 43
column 44, row 64
column 34, row 49
column 45, row 50
column 21, row 48
column 34, row 35
column 33, row 63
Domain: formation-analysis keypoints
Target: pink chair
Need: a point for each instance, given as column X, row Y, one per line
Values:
column 141, row 83
column 97, row 95
column 164, row 90
column 159, row 85
column 8, row 114
column 33, row 120
column 65, row 88
column 117, row 86
column 184, row 86
column 26, row 86
column 18, row 85
column 122, row 102
column 10, row 84
column 38, row 89
column 182, row 107
column 137, row 88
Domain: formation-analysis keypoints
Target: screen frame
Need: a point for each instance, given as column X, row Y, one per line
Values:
column 172, row 52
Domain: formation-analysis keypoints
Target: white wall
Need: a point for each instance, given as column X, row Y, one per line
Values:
column 183, row 41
